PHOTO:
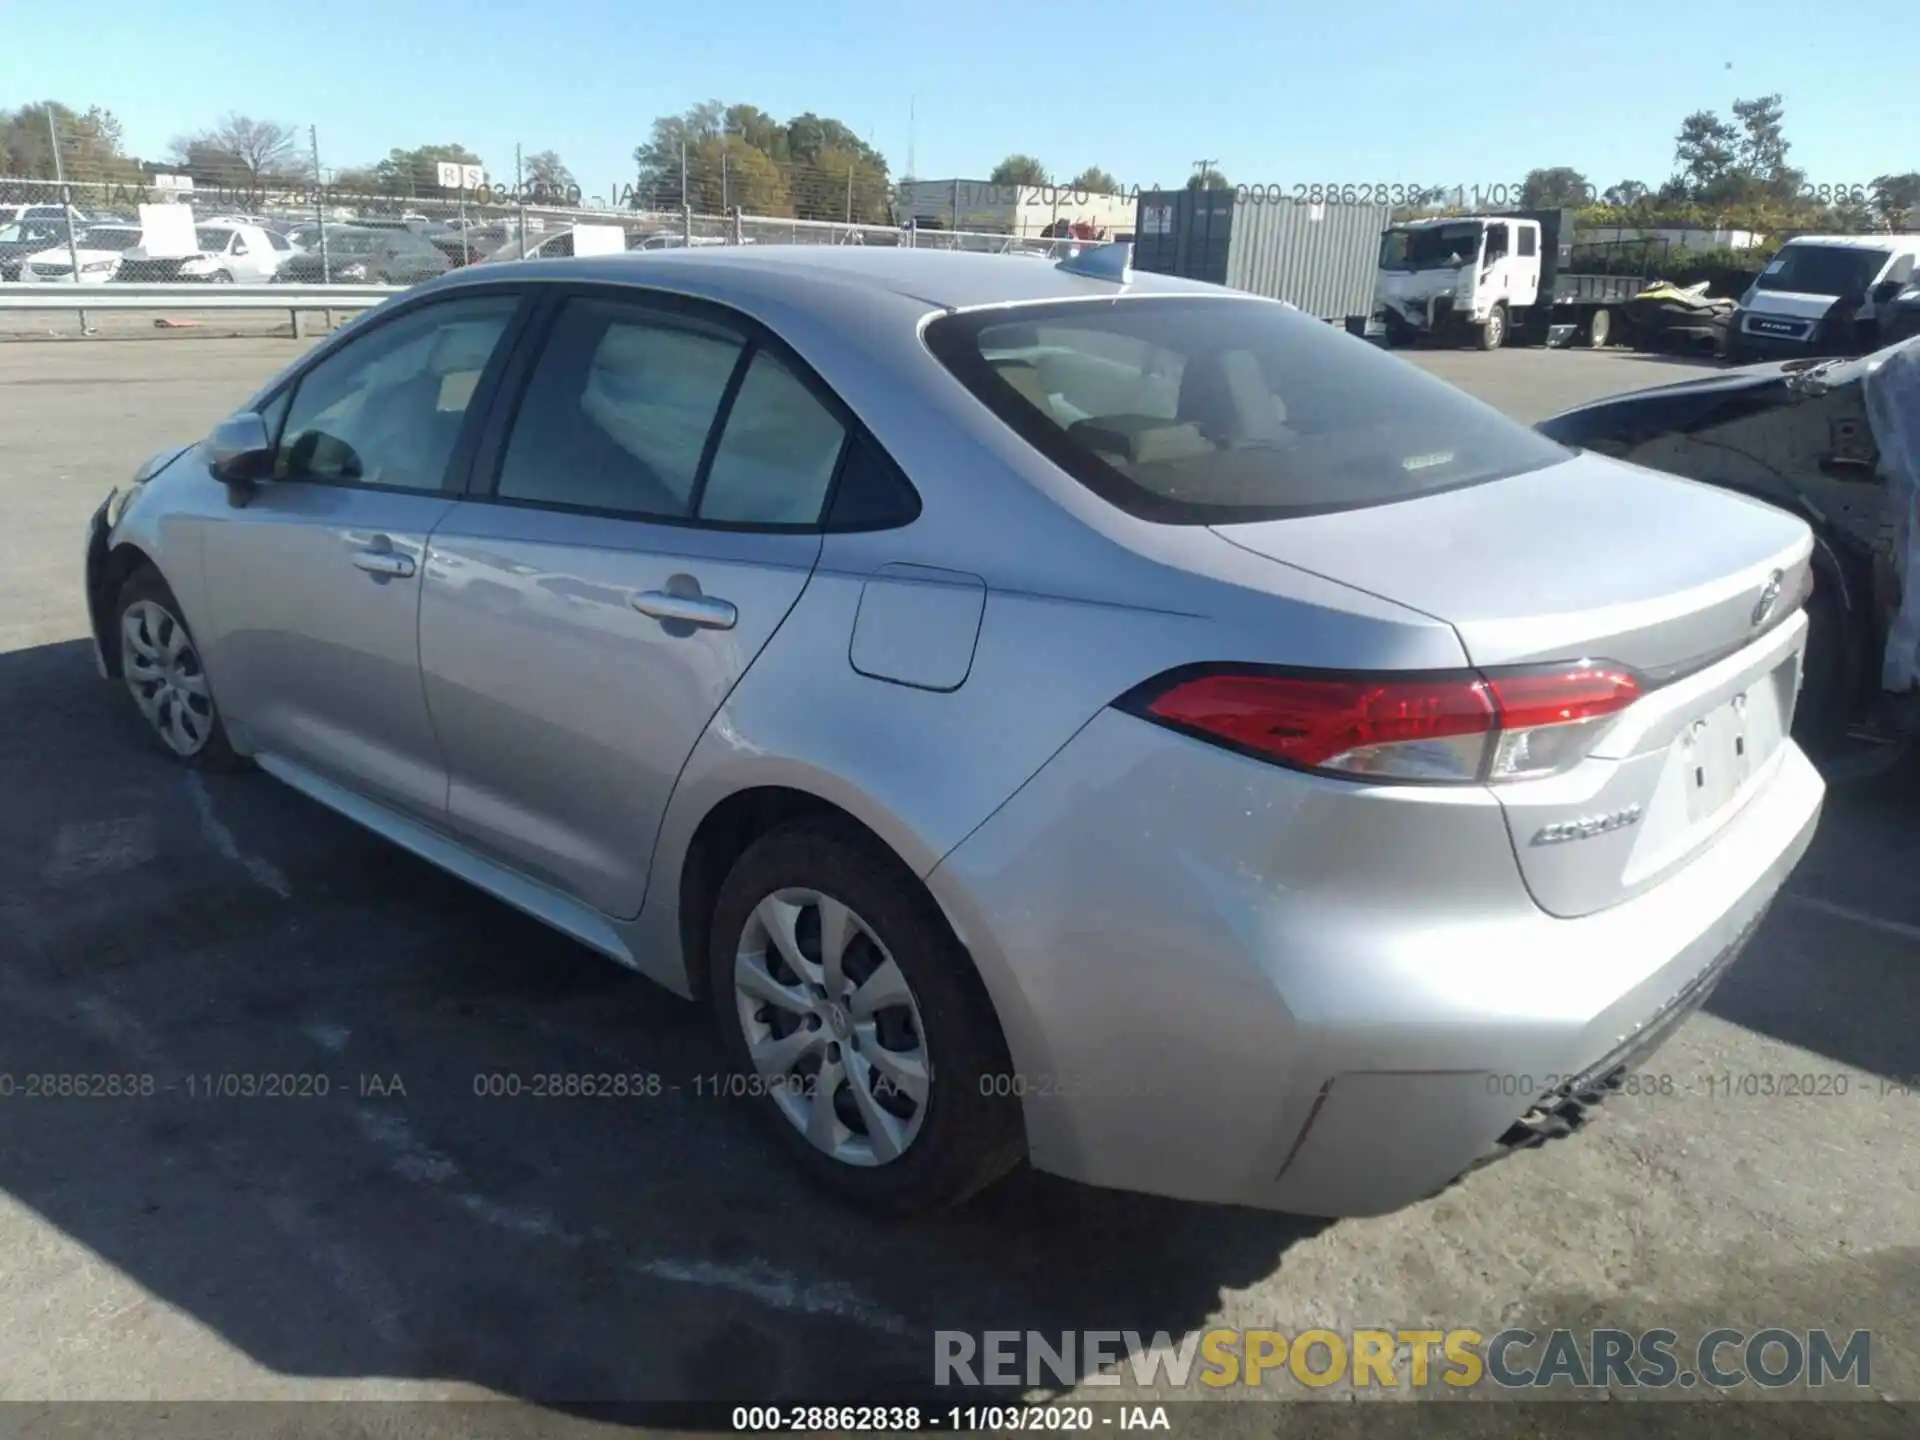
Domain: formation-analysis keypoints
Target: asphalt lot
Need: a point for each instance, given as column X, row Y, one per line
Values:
column 401, row 1237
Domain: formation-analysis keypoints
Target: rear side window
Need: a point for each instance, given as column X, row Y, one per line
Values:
column 1208, row 411
column 619, row 411
column 1528, row 238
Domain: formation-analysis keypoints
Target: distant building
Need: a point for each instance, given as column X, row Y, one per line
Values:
column 1021, row 210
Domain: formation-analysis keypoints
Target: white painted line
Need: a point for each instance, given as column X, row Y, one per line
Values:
column 414, row 1161
column 1858, row 917
column 221, row 838
column 778, row 1289
column 330, row 1038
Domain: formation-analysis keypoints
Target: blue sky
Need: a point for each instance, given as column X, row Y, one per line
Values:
column 1390, row 90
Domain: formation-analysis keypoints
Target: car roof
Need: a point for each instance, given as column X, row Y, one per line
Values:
column 943, row 279
column 1857, row 242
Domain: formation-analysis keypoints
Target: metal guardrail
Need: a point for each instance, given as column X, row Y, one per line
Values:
column 64, row 295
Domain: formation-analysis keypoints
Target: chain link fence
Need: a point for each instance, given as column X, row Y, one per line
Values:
column 117, row 231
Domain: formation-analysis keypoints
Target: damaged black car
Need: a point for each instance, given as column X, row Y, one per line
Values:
column 1838, row 443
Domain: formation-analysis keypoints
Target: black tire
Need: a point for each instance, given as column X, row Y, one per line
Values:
column 1600, row 329
column 970, row 1135
column 144, row 587
column 1492, row 334
column 221, row 277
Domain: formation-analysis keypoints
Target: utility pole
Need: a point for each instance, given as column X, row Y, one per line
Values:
column 66, row 202
column 320, row 207
column 519, row 189
column 1204, row 168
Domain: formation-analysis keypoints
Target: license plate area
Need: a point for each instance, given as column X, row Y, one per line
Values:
column 1720, row 751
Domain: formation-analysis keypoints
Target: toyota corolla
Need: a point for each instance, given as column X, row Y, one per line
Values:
column 1043, row 710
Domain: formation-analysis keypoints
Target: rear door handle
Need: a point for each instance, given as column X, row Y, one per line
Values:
column 702, row 610
column 383, row 562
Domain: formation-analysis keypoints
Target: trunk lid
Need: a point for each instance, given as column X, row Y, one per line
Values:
column 1595, row 559
column 1590, row 558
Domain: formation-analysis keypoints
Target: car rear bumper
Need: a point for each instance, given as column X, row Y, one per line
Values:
column 1228, row 982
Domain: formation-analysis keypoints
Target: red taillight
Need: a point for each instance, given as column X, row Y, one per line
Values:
column 1562, row 697
column 1460, row 726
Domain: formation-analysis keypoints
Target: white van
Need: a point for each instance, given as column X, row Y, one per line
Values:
column 1821, row 295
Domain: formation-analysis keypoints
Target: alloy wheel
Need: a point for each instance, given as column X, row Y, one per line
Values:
column 832, row 1026
column 164, row 674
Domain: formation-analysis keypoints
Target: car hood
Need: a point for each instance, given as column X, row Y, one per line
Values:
column 1790, row 303
column 60, row 254
column 1590, row 557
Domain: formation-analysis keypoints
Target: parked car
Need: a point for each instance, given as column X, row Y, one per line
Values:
column 359, row 254
column 1820, row 296
column 229, row 252
column 20, row 240
column 1164, row 737
column 1902, row 319
column 1796, row 434
column 14, row 214
column 98, row 250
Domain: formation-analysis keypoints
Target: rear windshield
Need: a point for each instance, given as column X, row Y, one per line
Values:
column 1206, row 411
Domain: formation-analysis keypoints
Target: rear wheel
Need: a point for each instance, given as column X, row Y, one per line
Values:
column 854, row 1021
column 1600, row 329
column 1493, row 331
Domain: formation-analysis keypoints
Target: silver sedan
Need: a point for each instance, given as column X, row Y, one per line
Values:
column 1044, row 710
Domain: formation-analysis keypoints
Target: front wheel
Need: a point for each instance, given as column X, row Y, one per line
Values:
column 1600, row 330
column 221, row 277
column 1493, row 331
column 160, row 664
column 854, row 1021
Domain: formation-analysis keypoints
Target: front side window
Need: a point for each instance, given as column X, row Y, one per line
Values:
column 386, row 409
column 1215, row 411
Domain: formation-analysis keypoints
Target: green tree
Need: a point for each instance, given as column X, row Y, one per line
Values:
column 1626, row 194
column 1208, row 178
column 840, row 184
column 545, row 172
column 1019, row 170
column 1763, row 147
column 417, row 171
column 1706, row 150
column 90, row 144
column 772, row 167
column 1552, row 188
column 725, row 173
column 1896, row 200
column 1094, row 181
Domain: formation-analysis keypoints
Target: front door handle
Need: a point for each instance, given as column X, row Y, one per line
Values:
column 701, row 610
column 383, row 562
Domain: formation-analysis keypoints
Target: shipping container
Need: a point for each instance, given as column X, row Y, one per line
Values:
column 1322, row 258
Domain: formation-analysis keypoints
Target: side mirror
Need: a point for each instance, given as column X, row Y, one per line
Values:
column 1886, row 290
column 240, row 455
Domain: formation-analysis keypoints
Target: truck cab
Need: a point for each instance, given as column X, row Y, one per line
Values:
column 1461, row 276
column 1823, row 295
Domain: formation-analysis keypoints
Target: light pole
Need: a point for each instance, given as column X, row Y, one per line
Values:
column 66, row 204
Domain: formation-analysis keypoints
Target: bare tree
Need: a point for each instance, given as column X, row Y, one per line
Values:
column 248, row 151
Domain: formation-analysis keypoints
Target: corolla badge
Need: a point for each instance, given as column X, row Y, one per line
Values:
column 1588, row 826
column 1769, row 597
